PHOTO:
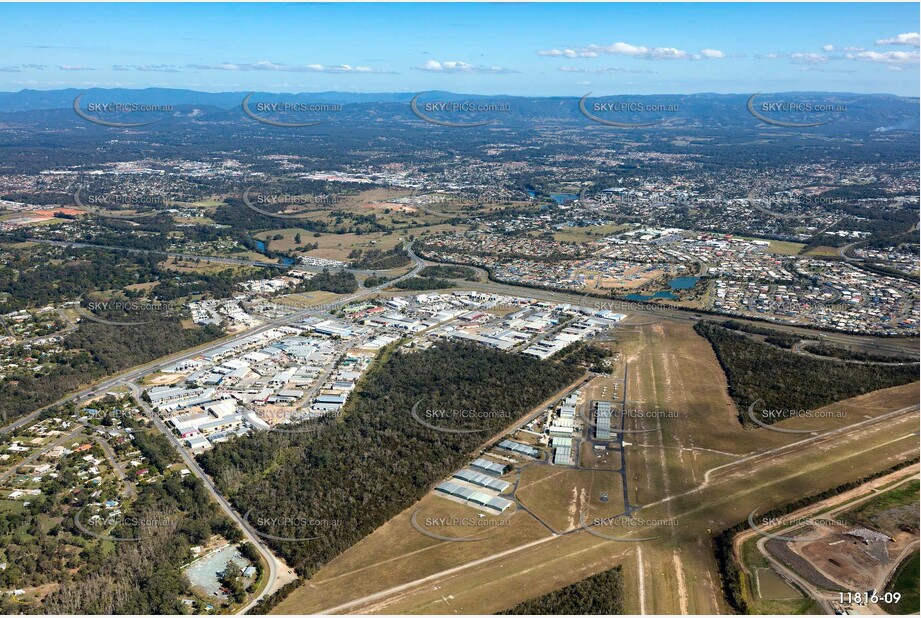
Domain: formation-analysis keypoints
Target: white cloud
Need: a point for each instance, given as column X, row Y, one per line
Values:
column 909, row 38
column 433, row 66
column 74, row 67
column 809, row 58
column 633, row 51
column 600, row 71
column 828, row 48
column 147, row 68
column 569, row 53
column 19, row 67
column 271, row 66
column 891, row 58
column 822, row 69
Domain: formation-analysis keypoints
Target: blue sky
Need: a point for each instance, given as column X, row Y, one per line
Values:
column 497, row 48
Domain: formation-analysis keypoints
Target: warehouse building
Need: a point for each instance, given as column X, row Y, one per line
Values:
column 331, row 328
column 519, row 448
column 603, row 420
column 561, row 427
column 477, row 498
column 483, row 480
column 490, row 466
column 562, row 451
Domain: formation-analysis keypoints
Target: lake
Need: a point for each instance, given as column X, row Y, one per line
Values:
column 683, row 283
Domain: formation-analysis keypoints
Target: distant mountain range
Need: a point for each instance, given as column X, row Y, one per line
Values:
column 27, row 100
column 864, row 113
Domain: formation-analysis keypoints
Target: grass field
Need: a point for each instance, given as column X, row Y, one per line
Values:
column 561, row 496
column 905, row 581
column 823, row 251
column 587, row 234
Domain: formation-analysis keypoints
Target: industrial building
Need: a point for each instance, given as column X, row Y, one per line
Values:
column 477, row 498
column 562, row 451
column 603, row 420
column 482, row 480
column 519, row 448
column 490, row 466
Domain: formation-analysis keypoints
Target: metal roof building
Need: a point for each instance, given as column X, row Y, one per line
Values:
column 518, row 447
column 493, row 503
column 490, row 466
column 603, row 420
column 482, row 480
column 562, row 451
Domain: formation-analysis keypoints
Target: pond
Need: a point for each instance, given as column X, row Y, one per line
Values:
column 683, row 283
column 260, row 246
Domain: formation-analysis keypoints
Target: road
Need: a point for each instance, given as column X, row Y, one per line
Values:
column 845, row 503
column 274, row 564
column 129, row 489
column 908, row 345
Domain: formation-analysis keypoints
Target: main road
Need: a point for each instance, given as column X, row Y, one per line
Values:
column 273, row 563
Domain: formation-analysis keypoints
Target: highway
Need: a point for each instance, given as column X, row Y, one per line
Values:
column 906, row 345
column 275, row 565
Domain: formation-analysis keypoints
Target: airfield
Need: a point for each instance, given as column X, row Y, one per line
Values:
column 685, row 471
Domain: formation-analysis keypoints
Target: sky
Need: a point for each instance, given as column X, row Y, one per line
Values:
column 537, row 49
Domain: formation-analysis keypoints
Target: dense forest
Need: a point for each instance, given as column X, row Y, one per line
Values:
column 823, row 349
column 339, row 282
column 424, row 283
column 785, row 381
column 378, row 259
column 596, row 595
column 449, row 271
column 375, row 460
